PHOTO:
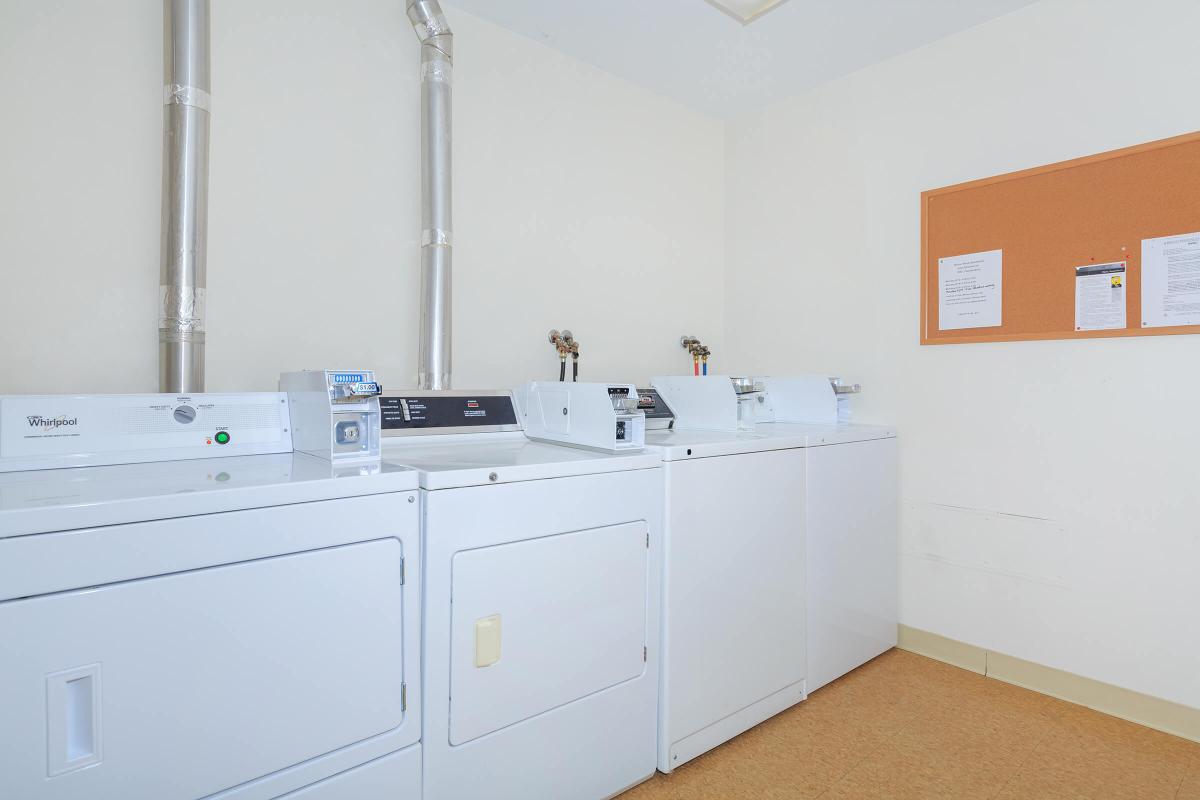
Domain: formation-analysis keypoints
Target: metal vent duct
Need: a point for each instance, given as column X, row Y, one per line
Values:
column 437, row 60
column 186, row 85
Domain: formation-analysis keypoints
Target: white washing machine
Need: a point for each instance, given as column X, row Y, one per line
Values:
column 542, row 582
column 218, row 618
column 780, row 559
column 852, row 528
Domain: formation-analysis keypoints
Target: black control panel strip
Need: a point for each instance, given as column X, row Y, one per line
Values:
column 650, row 402
column 430, row 412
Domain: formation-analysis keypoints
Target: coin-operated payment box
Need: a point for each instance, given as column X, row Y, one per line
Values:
column 335, row 415
column 596, row 416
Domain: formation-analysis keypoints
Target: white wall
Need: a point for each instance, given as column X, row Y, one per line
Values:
column 1050, row 501
column 580, row 200
column 1050, row 508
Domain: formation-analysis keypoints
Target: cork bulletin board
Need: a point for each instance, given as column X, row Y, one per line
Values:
column 1051, row 221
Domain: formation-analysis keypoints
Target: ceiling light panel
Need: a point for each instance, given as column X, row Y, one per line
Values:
column 745, row 11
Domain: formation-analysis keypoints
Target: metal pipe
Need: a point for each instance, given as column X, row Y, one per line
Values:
column 437, row 61
column 186, row 104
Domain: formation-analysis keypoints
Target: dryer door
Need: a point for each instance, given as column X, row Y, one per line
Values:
column 178, row 686
column 541, row 623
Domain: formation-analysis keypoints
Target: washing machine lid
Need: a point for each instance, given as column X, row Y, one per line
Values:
column 681, row 444
column 41, row 501
column 820, row 435
column 451, row 462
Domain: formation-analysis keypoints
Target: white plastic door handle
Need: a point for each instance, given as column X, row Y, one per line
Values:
column 487, row 640
column 72, row 719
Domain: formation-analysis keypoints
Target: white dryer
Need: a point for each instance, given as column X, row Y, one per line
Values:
column 240, row 627
column 780, row 559
column 542, row 580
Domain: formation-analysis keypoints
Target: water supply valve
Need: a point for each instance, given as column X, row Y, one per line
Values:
column 566, row 345
column 699, row 353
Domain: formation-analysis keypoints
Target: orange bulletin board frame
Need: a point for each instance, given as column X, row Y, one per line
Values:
column 1050, row 220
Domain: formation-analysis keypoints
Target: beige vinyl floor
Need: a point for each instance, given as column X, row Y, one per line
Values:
column 905, row 726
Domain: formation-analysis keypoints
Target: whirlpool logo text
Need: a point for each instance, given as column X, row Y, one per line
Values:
column 51, row 423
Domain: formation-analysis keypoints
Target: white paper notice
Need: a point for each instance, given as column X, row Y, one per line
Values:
column 969, row 290
column 1171, row 281
column 1100, row 297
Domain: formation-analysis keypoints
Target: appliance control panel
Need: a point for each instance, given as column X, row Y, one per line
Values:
column 597, row 416
column 335, row 413
column 659, row 415
column 53, row 431
column 448, row 412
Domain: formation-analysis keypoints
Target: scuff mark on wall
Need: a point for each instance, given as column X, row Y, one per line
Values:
column 997, row 542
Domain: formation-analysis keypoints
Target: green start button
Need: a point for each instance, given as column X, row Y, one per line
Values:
column 222, row 437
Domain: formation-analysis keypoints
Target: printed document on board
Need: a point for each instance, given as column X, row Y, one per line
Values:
column 1171, row 281
column 1100, row 297
column 969, row 290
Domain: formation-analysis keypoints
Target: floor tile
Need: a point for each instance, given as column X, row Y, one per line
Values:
column 1189, row 787
column 905, row 727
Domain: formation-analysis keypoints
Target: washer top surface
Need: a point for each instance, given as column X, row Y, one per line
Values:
column 481, row 459
column 682, row 444
column 41, row 501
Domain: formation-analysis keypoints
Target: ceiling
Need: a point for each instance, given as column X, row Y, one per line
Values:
column 745, row 10
column 694, row 52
